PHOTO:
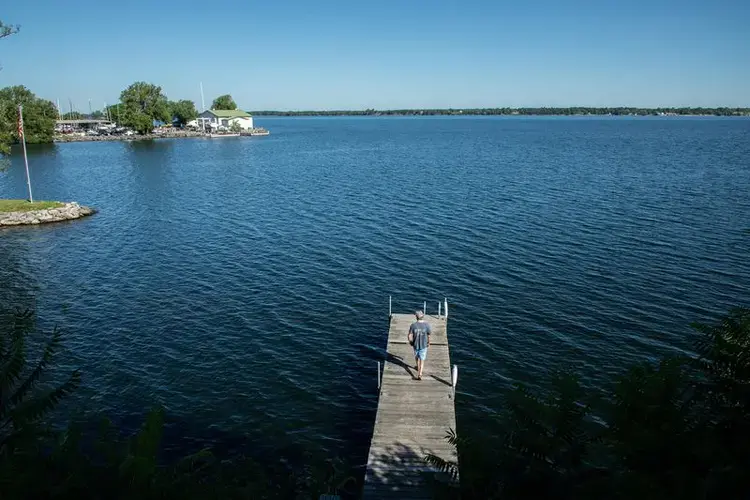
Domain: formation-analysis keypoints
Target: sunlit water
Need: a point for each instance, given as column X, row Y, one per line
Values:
column 243, row 283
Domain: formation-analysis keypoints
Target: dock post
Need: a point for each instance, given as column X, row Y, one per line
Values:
column 378, row 376
column 390, row 310
column 440, row 305
column 454, row 377
column 446, row 308
column 424, row 307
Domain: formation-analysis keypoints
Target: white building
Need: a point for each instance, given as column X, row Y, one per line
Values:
column 215, row 118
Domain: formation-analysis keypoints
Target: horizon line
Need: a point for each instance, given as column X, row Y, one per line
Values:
column 512, row 108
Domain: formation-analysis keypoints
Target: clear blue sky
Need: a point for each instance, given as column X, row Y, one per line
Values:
column 303, row 54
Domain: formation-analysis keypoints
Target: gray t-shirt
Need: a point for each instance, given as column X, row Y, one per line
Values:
column 420, row 331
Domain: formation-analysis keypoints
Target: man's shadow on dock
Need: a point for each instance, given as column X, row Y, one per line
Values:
column 411, row 369
column 398, row 361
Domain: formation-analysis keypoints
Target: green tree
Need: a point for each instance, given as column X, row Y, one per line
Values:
column 39, row 462
column 97, row 115
column 224, row 102
column 183, row 111
column 39, row 116
column 142, row 104
column 236, row 127
column 116, row 112
column 73, row 115
column 5, row 31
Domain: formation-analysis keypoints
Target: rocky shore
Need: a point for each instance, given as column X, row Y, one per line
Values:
column 176, row 134
column 67, row 211
column 122, row 137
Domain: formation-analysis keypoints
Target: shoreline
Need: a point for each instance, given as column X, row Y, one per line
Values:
column 181, row 134
column 137, row 137
column 68, row 211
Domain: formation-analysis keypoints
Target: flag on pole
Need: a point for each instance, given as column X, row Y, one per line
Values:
column 20, row 123
column 22, row 138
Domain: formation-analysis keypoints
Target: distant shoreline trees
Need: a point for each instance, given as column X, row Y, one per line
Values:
column 183, row 111
column 143, row 103
column 543, row 111
column 224, row 102
column 39, row 117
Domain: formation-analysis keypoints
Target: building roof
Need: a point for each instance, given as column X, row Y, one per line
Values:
column 228, row 113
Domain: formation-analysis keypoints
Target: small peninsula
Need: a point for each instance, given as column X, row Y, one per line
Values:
column 22, row 212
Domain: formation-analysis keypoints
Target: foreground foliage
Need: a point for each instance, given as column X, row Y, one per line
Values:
column 7, row 29
column 677, row 430
column 37, row 462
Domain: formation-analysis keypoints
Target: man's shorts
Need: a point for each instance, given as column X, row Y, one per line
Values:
column 420, row 353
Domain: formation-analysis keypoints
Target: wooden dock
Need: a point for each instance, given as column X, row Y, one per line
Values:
column 413, row 416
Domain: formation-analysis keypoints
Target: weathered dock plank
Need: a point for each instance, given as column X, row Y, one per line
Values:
column 413, row 416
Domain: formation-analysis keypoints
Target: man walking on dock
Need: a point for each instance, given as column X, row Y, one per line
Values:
column 419, row 338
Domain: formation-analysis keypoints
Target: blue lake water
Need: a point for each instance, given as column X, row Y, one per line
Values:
column 243, row 283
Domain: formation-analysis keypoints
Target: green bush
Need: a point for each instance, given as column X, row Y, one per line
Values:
column 36, row 462
column 677, row 430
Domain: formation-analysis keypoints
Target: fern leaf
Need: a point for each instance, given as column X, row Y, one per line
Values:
column 148, row 439
column 140, row 465
column 448, row 467
column 33, row 378
column 36, row 408
column 454, row 440
column 194, row 462
column 11, row 368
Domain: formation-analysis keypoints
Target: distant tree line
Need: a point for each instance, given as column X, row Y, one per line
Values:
column 141, row 104
column 544, row 111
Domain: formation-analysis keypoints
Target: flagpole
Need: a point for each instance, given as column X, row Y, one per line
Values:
column 25, row 157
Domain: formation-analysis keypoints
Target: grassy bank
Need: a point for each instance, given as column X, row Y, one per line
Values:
column 25, row 206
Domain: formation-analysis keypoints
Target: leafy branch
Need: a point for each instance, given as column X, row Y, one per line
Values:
column 676, row 429
column 21, row 404
column 8, row 29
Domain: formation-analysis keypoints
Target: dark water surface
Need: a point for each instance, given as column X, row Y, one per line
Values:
column 243, row 283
